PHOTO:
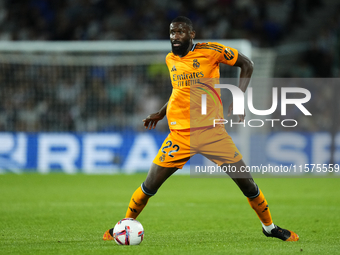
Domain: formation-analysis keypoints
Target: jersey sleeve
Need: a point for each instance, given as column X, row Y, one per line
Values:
column 226, row 55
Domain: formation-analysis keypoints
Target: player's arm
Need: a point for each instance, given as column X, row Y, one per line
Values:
column 153, row 118
column 247, row 67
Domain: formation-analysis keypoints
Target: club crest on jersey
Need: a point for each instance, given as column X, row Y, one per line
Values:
column 162, row 158
column 228, row 54
column 173, row 69
column 196, row 64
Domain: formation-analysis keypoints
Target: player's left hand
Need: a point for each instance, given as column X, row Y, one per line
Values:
column 152, row 119
column 230, row 110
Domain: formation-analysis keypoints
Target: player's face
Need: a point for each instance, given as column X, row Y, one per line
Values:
column 181, row 38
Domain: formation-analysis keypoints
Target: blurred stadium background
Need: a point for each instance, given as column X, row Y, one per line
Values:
column 78, row 76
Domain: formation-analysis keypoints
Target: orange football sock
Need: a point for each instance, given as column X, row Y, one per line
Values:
column 260, row 205
column 137, row 203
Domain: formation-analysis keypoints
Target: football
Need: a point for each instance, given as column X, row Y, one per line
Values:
column 128, row 231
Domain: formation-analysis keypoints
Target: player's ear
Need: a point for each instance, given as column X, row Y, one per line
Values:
column 192, row 34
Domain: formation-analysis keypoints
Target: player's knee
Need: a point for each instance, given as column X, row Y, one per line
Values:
column 251, row 190
column 148, row 191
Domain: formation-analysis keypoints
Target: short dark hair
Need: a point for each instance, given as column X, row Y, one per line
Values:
column 184, row 20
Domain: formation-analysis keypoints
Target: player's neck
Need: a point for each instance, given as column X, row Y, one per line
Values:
column 187, row 51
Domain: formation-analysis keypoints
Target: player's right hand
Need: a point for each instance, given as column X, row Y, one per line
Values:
column 152, row 119
column 230, row 110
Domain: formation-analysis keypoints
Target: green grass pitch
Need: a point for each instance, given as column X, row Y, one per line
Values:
column 68, row 214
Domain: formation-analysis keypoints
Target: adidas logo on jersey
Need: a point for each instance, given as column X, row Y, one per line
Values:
column 236, row 154
column 173, row 69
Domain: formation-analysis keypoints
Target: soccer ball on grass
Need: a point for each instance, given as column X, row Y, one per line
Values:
column 128, row 231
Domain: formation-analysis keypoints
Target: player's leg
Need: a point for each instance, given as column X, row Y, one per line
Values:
column 173, row 154
column 219, row 147
column 250, row 189
column 258, row 202
column 155, row 178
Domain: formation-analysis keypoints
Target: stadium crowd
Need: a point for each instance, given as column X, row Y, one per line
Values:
column 264, row 22
column 51, row 98
column 90, row 98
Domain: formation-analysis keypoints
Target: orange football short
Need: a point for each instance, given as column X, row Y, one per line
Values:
column 214, row 143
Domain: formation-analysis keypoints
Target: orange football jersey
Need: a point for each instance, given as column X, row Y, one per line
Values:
column 192, row 76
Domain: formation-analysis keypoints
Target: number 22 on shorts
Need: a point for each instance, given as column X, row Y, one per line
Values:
column 169, row 145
